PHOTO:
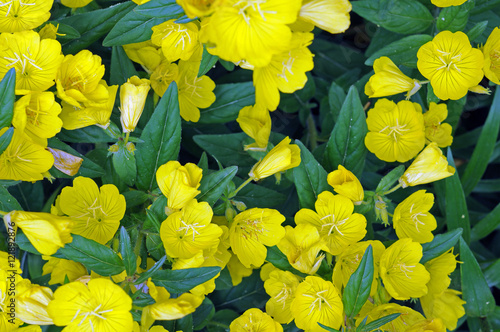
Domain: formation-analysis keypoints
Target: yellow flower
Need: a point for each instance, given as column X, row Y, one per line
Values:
column 282, row 157
column 177, row 41
column 237, row 270
column 190, row 231
column 396, row 132
column 447, row 3
column 178, row 183
column 46, row 232
column 388, row 80
column 75, row 3
column 24, row 15
column 164, row 74
column 435, row 131
column 24, row 160
column 440, row 268
column 250, row 30
column 428, row 325
column 8, row 320
column 198, row 8
column 335, row 221
column 49, row 31
column 317, row 301
column 252, row 230
column 301, row 245
column 66, row 162
column 446, row 305
column 7, row 262
column 412, row 218
column 331, row 16
column 429, row 166
column 491, row 51
column 99, row 306
column 407, row 318
column 255, row 121
column 133, row 94
column 345, row 183
column 451, row 64
column 403, row 276
column 286, row 72
column 281, row 287
column 36, row 61
column 79, row 79
column 59, row 269
column 144, row 53
column 256, row 321
column 31, row 303
column 96, row 211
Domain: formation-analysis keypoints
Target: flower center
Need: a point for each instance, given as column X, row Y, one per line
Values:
column 251, row 228
column 404, row 268
column 22, row 61
column 284, row 294
column 414, row 217
column 319, row 300
column 248, row 7
column 93, row 211
column 190, row 228
column 91, row 314
column 495, row 60
column 395, row 131
column 12, row 157
column 15, row 11
column 34, row 113
column 192, row 88
column 287, row 67
column 448, row 60
column 334, row 224
column 77, row 81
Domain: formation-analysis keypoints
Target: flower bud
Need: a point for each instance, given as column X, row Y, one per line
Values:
column 345, row 183
column 133, row 95
column 282, row 157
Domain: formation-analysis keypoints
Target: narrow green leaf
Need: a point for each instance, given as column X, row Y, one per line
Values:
column 486, row 225
column 457, row 214
column 484, row 147
column 203, row 314
column 477, row 30
column 346, row 145
column 487, row 186
column 149, row 273
column 380, row 322
column 208, row 61
column 7, row 98
column 5, row 139
column 359, row 285
column 94, row 256
column 331, row 329
column 401, row 52
column 213, row 185
column 127, row 251
column 309, row 177
column 491, row 274
column 91, row 134
column 440, row 244
column 336, row 97
column 475, row 291
column 7, row 201
column 122, row 67
column 389, row 179
column 124, row 164
column 227, row 148
column 454, row 18
column 455, row 110
column 181, row 281
column 162, row 138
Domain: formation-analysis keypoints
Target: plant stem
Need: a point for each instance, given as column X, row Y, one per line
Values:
column 231, row 195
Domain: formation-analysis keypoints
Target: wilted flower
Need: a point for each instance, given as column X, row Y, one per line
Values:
column 66, row 162
column 133, row 94
column 282, row 157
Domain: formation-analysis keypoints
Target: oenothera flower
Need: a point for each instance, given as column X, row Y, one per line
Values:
column 331, row 16
column 281, row 287
column 133, row 94
column 36, row 61
column 440, row 268
column 317, row 301
column 24, row 160
column 435, row 130
column 19, row 15
column 60, row 269
column 177, row 41
column 144, row 53
column 396, row 132
column 178, row 183
column 250, row 30
column 190, row 231
column 412, row 218
column 49, row 31
column 164, row 74
column 429, row 166
column 388, row 80
column 282, row 157
column 255, row 121
column 198, row 8
column 46, row 232
column 252, row 230
column 408, row 317
column 403, row 276
column 344, row 182
column 335, row 221
column 447, row 3
column 451, row 64
column 31, row 303
column 256, row 321
column 446, row 305
column 491, row 51
column 434, row 325
column 237, row 270
column 99, row 306
column 66, row 162
column 96, row 211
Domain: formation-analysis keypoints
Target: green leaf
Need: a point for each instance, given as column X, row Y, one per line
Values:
column 7, row 201
column 401, row 52
column 127, row 251
column 135, row 198
column 203, row 314
column 254, row 195
column 7, row 98
column 491, row 274
column 124, row 164
column 230, row 99
column 136, row 26
column 457, row 214
column 346, row 145
column 455, row 109
column 94, row 256
column 93, row 25
column 280, row 261
column 181, row 281
column 213, row 185
column 380, row 322
column 484, row 147
column 207, row 62
column 122, row 67
column 149, row 273
column 331, row 329
column 5, row 139
column 454, row 18
column 477, row 30
column 440, row 244
column 64, row 32
column 162, row 138
column 91, row 134
column 309, row 177
column 475, row 291
column 486, row 225
column 487, row 186
column 388, row 181
column 336, row 97
column 359, row 285
column 402, row 16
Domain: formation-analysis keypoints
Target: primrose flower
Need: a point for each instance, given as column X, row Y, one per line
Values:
column 133, row 94
column 440, row 269
column 282, row 157
column 446, row 305
column 451, row 64
column 491, row 51
column 256, row 321
column 164, row 74
column 317, row 301
column 66, row 162
column 428, row 325
column 96, row 211
column 407, row 318
column 447, row 3
column 335, row 221
column 388, row 80
column 99, row 306
column 435, row 131
column 198, row 8
column 252, row 230
column 255, row 121
column 36, row 61
column 31, row 303
column 412, row 218
column 331, row 16
column 281, row 287
column 49, row 31
column 237, row 270
column 395, row 132
column 145, row 53
column 60, row 269
column 177, row 41
column 403, row 276
column 24, row 15
column 345, row 183
column 429, row 166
